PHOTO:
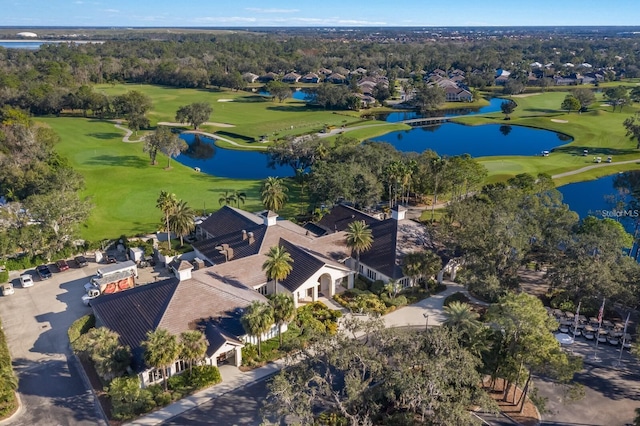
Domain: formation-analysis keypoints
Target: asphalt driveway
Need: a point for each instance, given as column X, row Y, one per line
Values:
column 35, row 321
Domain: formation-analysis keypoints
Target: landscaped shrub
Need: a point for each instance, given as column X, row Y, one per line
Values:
column 396, row 301
column 178, row 382
column 8, row 380
column 377, row 287
column 361, row 284
column 203, row 376
column 23, row 262
column 81, row 326
column 456, row 297
column 4, row 276
column 128, row 400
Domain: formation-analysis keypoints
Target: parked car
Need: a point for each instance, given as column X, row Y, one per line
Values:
column 44, row 272
column 111, row 259
column 7, row 289
column 26, row 280
column 81, row 261
column 62, row 265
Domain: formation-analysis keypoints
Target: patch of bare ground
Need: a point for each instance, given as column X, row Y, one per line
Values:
column 533, row 281
column 524, row 95
column 527, row 416
column 98, row 388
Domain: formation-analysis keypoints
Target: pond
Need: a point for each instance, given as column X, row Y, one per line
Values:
column 608, row 196
column 394, row 117
column 296, row 94
column 228, row 163
column 478, row 141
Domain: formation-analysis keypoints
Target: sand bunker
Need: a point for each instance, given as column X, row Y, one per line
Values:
column 555, row 120
column 225, row 100
column 525, row 95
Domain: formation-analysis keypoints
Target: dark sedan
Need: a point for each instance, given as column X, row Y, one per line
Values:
column 62, row 265
column 43, row 272
column 81, row 261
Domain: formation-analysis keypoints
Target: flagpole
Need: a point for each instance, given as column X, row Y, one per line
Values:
column 575, row 325
column 624, row 337
column 600, row 314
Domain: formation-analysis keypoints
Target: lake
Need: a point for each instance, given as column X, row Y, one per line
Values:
column 607, row 196
column 394, row 117
column 228, row 163
column 478, row 141
column 35, row 45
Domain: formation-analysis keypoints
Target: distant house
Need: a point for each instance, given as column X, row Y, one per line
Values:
column 270, row 76
column 501, row 80
column 454, row 91
column 536, row 65
column 359, row 71
column 365, row 99
column 325, row 72
column 336, row 78
column 249, row 77
column 565, row 81
column 291, row 77
column 310, row 78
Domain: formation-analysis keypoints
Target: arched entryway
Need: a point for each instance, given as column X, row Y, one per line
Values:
column 324, row 286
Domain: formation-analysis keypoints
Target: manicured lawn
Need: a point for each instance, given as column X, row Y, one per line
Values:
column 252, row 115
column 124, row 187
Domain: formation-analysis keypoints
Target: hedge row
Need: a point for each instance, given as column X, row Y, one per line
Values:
column 129, row 400
column 80, row 327
column 8, row 380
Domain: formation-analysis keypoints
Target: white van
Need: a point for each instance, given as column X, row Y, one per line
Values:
column 7, row 289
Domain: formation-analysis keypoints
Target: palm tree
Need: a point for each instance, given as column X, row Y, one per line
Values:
column 240, row 197
column 181, row 220
column 166, row 203
column 284, row 311
column 421, row 264
column 473, row 335
column 274, row 194
column 194, row 346
column 257, row 320
column 226, row 198
column 161, row 349
column 359, row 239
column 392, row 288
column 278, row 265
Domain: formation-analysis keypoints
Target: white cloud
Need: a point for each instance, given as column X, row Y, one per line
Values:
column 111, row 10
column 270, row 10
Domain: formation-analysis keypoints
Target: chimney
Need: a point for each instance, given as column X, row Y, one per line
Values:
column 251, row 238
column 269, row 218
column 398, row 212
column 244, row 234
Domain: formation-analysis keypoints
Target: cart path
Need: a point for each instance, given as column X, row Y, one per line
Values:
column 128, row 132
column 593, row 166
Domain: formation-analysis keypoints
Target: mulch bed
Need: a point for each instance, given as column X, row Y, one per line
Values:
column 529, row 416
column 98, row 388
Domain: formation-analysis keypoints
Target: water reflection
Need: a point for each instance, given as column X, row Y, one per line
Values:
column 200, row 150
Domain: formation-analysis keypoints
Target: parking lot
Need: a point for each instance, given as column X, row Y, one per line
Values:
column 35, row 321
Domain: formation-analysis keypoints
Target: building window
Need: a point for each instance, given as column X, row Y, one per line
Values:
column 156, row 375
column 371, row 274
column 180, row 366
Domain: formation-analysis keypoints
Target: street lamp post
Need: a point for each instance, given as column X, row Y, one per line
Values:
column 427, row 318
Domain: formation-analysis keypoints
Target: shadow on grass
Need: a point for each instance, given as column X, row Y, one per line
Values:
column 121, row 160
column 105, row 135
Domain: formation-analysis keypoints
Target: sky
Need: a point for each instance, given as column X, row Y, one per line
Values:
column 319, row 13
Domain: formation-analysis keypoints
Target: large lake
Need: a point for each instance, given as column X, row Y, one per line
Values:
column 477, row 141
column 228, row 163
